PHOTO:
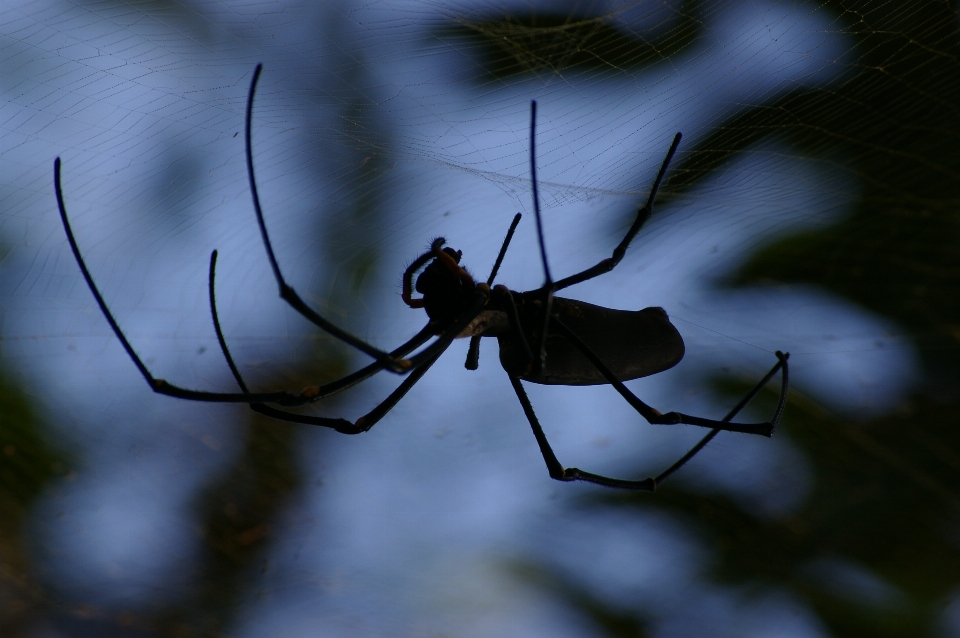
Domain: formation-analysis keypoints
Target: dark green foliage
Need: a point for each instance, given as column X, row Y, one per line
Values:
column 29, row 463
column 894, row 126
column 886, row 494
column 886, row 498
column 509, row 45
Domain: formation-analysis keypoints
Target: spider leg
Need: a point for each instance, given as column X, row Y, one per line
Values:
column 514, row 317
column 310, row 393
column 473, row 352
column 318, row 392
column 362, row 424
column 480, row 297
column 670, row 418
column 161, row 386
column 781, row 362
column 643, row 214
column 548, row 287
column 503, row 249
column 420, row 364
column 157, row 385
column 558, row 472
column 287, row 293
column 554, row 467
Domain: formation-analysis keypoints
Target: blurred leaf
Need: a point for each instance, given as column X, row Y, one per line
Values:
column 880, row 501
column 238, row 513
column 875, row 549
column 554, row 42
column 29, row 463
column 611, row 620
column 895, row 126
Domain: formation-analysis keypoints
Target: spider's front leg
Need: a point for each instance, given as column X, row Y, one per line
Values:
column 159, row 386
column 420, row 364
column 287, row 293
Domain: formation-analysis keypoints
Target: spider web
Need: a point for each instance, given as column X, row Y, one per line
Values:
column 811, row 208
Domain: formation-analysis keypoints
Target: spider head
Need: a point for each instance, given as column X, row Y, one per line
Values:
column 447, row 287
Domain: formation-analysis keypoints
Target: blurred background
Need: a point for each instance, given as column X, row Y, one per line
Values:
column 812, row 208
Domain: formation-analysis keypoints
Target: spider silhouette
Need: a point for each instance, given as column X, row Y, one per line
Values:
column 543, row 338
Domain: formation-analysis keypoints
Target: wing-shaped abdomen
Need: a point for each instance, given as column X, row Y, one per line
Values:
column 632, row 344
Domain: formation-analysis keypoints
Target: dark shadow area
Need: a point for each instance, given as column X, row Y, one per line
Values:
column 543, row 42
column 874, row 548
column 29, row 463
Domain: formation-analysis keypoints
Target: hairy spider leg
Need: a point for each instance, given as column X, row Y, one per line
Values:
column 558, row 472
column 287, row 293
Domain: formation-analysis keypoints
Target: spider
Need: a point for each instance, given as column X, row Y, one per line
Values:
column 543, row 338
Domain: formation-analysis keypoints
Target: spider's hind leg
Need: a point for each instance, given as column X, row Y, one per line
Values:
column 672, row 418
column 560, row 473
column 555, row 468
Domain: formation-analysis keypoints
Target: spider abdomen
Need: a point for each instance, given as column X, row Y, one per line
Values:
column 632, row 344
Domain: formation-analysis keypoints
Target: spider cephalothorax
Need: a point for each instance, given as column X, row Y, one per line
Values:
column 447, row 287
